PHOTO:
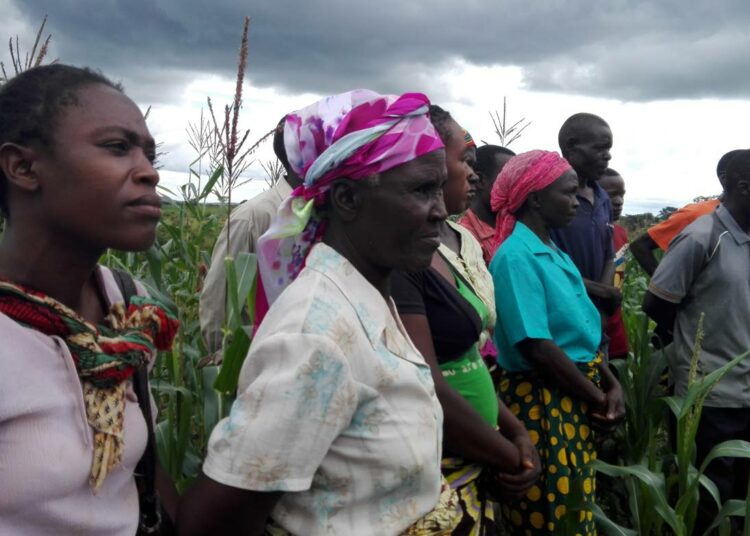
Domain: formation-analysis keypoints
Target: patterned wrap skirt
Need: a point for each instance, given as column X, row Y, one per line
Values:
column 560, row 430
column 477, row 510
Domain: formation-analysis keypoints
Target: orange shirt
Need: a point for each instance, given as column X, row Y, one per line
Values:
column 663, row 233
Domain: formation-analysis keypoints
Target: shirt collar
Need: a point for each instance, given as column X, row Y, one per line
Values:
column 482, row 230
column 372, row 310
column 600, row 196
column 535, row 245
column 729, row 222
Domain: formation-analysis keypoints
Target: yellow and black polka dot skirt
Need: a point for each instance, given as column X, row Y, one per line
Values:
column 561, row 432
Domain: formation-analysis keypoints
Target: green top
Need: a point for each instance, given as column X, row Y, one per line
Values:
column 468, row 374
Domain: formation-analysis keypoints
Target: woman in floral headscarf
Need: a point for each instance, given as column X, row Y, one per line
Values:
column 336, row 428
column 548, row 336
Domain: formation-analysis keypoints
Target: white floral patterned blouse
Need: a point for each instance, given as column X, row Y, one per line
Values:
column 336, row 407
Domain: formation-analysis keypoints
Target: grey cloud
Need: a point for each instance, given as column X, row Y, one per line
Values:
column 648, row 68
column 632, row 50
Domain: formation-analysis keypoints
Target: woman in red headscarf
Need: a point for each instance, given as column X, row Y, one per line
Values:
column 548, row 337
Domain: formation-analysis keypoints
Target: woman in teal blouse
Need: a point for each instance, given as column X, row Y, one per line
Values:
column 548, row 336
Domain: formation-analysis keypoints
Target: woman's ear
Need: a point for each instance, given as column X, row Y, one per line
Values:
column 16, row 163
column 532, row 202
column 345, row 199
column 743, row 186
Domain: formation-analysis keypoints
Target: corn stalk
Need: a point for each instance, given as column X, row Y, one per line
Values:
column 507, row 133
column 34, row 58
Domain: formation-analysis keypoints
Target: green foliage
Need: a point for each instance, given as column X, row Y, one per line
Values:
column 172, row 269
column 661, row 484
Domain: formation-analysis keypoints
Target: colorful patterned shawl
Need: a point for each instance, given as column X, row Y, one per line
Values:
column 105, row 356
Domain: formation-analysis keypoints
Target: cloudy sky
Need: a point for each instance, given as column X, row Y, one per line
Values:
column 670, row 77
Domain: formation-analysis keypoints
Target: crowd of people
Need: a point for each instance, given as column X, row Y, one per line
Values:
column 435, row 323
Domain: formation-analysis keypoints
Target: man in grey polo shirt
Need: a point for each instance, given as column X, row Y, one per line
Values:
column 706, row 270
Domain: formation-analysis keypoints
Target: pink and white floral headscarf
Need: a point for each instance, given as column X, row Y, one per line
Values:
column 354, row 135
column 522, row 175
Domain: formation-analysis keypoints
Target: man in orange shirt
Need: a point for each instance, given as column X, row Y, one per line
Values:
column 661, row 234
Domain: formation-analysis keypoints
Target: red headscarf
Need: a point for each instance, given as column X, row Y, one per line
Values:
column 522, row 175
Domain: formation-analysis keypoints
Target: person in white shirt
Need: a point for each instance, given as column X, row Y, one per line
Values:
column 247, row 223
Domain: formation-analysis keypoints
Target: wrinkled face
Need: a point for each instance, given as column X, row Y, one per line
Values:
column 589, row 155
column 558, row 202
column 614, row 185
column 403, row 213
column 484, row 187
column 97, row 180
column 462, row 181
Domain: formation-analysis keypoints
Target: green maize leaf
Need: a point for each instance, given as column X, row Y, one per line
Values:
column 164, row 387
column 210, row 399
column 654, row 481
column 608, row 526
column 175, row 232
column 732, row 507
column 170, row 192
column 701, row 388
column 154, row 260
column 233, row 309
column 734, row 448
column 162, row 297
column 193, row 194
column 709, row 485
column 234, row 356
column 640, row 471
column 211, row 182
column 246, row 268
column 192, row 464
column 162, row 431
column 185, row 407
column 688, row 500
column 241, row 273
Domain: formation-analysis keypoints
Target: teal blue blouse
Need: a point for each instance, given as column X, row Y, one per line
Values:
column 539, row 294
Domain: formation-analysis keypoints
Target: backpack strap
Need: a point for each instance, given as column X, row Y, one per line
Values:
column 125, row 283
column 145, row 471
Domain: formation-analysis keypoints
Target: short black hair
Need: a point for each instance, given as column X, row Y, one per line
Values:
column 577, row 126
column 737, row 169
column 609, row 172
column 721, row 166
column 440, row 119
column 485, row 163
column 31, row 102
column 278, row 145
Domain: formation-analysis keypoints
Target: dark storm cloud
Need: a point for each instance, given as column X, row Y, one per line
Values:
column 633, row 50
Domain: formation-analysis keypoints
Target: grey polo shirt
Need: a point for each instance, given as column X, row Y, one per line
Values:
column 707, row 270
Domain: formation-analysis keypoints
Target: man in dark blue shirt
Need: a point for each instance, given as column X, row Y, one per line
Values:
column 585, row 141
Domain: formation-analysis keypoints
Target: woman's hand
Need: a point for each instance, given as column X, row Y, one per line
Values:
column 530, row 467
column 608, row 415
